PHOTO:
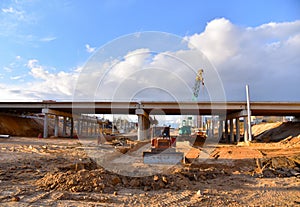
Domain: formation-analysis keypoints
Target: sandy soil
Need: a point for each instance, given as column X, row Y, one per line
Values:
column 58, row 172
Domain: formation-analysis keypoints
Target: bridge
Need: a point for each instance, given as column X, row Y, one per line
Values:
column 225, row 110
column 167, row 108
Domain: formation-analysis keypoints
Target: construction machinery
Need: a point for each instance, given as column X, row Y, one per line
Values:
column 198, row 82
column 186, row 127
column 163, row 150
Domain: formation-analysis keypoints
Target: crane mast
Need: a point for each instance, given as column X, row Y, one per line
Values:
column 198, row 82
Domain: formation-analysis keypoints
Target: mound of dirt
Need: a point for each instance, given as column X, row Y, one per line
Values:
column 278, row 167
column 274, row 132
column 19, row 126
column 81, row 179
column 99, row 180
column 87, row 179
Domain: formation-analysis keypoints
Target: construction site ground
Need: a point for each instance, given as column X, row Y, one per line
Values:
column 59, row 172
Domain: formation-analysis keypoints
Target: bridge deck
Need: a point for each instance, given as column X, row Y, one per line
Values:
column 168, row 108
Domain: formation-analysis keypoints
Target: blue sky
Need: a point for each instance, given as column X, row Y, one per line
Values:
column 54, row 38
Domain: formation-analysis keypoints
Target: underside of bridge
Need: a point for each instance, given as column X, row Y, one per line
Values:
column 77, row 114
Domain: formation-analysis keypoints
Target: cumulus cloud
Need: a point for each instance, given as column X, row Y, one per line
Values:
column 146, row 75
column 58, row 84
column 44, row 84
column 265, row 57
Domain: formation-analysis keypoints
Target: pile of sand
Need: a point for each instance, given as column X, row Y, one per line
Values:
column 274, row 132
column 19, row 126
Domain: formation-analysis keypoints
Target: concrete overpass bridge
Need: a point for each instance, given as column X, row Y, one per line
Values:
column 224, row 110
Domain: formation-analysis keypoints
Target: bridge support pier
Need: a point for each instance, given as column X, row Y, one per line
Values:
column 56, row 125
column 143, row 124
column 226, row 129
column 237, row 129
column 72, row 127
column 245, row 129
column 78, row 127
column 231, row 140
column 46, row 121
column 213, row 127
column 221, row 126
column 64, row 127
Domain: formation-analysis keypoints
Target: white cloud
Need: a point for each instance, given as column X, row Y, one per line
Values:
column 44, row 84
column 8, row 10
column 48, row 39
column 7, row 69
column 89, row 49
column 58, row 84
column 144, row 75
column 16, row 77
column 15, row 19
column 265, row 57
column 219, row 41
column 18, row 14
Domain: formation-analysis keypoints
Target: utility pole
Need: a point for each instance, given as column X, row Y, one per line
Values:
column 248, row 114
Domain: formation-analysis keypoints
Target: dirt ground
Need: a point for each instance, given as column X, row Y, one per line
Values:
column 58, row 172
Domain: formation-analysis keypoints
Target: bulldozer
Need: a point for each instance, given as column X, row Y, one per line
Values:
column 163, row 150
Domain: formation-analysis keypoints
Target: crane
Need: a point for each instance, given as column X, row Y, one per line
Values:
column 198, row 81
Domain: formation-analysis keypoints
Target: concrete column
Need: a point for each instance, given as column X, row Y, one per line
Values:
column 93, row 129
column 82, row 127
column 208, row 128
column 143, row 124
column 140, row 128
column 87, row 128
column 245, row 130
column 200, row 121
column 65, row 126
column 72, row 128
column 221, row 125
column 231, row 131
column 96, row 128
column 46, row 121
column 237, row 127
column 78, row 127
column 90, row 128
column 226, row 129
column 212, row 126
column 56, row 126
